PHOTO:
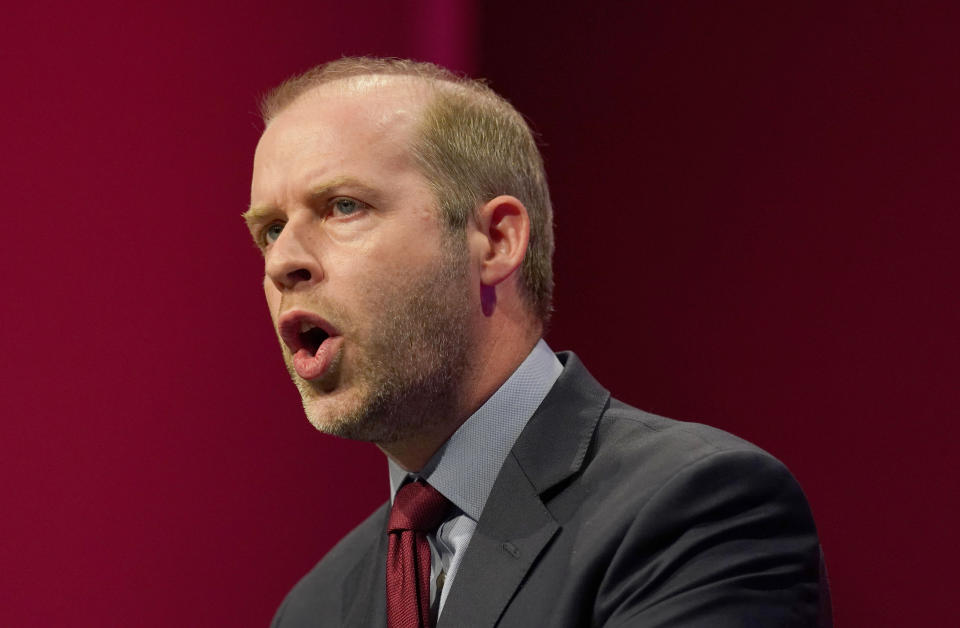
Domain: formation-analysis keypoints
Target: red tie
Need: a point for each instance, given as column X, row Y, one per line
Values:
column 417, row 510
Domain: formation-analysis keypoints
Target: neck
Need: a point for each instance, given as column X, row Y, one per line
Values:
column 495, row 359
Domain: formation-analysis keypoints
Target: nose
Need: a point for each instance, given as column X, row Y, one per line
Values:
column 291, row 261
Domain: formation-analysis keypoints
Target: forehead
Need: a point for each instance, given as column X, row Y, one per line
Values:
column 373, row 116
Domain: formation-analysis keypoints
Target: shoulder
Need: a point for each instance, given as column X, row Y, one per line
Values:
column 321, row 592
column 659, row 522
column 690, row 507
column 652, row 462
column 580, row 434
column 667, row 446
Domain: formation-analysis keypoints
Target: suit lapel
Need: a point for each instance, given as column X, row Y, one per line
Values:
column 554, row 444
column 509, row 537
column 515, row 525
column 363, row 588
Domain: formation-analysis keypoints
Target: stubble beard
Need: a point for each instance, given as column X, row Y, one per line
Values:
column 408, row 373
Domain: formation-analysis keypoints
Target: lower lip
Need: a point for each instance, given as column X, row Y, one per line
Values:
column 313, row 365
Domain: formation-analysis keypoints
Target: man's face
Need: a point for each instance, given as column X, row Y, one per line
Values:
column 368, row 293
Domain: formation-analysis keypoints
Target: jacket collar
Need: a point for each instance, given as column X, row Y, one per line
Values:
column 555, row 442
column 516, row 525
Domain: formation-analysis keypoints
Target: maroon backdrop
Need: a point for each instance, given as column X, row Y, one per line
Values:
column 157, row 468
column 756, row 208
column 756, row 221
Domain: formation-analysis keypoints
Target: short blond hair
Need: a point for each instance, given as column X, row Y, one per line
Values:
column 472, row 146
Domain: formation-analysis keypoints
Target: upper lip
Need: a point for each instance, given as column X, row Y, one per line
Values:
column 292, row 324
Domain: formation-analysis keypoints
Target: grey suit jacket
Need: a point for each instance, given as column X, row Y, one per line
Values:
column 605, row 515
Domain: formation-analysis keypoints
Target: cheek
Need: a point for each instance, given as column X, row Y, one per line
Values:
column 273, row 298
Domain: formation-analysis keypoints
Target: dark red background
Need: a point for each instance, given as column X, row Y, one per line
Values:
column 756, row 214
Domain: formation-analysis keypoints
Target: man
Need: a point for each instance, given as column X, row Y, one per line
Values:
column 406, row 228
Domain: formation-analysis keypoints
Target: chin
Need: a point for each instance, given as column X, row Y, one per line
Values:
column 365, row 415
column 346, row 414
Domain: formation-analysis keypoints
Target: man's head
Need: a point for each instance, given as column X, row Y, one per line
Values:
column 471, row 145
column 392, row 283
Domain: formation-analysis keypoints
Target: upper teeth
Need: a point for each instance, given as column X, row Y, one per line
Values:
column 305, row 326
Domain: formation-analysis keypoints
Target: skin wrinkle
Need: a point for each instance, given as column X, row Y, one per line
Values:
column 257, row 213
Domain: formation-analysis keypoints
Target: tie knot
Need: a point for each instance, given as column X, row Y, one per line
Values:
column 417, row 506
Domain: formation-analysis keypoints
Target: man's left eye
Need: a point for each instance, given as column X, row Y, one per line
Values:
column 346, row 206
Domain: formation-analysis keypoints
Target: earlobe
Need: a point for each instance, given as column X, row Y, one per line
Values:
column 505, row 227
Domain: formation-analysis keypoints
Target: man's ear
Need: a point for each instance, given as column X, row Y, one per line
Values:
column 503, row 232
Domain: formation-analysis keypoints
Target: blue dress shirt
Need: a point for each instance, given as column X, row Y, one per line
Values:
column 466, row 466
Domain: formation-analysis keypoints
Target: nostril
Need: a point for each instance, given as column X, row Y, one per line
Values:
column 301, row 274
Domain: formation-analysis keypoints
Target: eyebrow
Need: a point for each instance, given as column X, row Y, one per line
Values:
column 258, row 213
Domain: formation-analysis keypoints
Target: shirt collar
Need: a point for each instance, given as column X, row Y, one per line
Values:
column 466, row 466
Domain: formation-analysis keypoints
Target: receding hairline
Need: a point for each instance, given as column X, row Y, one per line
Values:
column 424, row 90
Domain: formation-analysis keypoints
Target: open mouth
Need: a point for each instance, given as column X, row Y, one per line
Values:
column 304, row 331
column 312, row 341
